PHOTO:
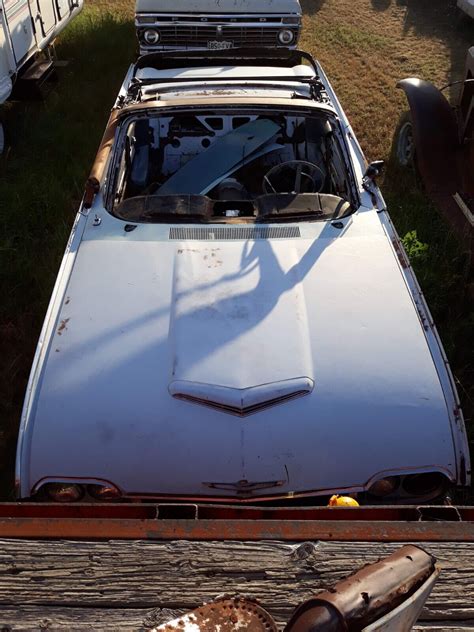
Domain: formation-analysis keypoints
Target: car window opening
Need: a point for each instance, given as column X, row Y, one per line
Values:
column 231, row 167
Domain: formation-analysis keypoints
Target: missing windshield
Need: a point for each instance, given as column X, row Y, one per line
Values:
column 231, row 166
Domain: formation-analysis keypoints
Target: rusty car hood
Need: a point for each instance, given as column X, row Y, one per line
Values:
column 224, row 362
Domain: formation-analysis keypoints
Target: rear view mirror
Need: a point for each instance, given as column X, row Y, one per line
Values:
column 375, row 169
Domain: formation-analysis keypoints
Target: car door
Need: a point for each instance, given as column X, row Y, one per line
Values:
column 7, row 62
column 44, row 17
column 64, row 8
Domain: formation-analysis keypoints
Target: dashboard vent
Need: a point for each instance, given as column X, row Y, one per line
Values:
column 233, row 233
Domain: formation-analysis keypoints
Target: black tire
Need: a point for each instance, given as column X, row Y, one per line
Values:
column 405, row 150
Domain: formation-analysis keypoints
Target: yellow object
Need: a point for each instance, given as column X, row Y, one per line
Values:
column 343, row 501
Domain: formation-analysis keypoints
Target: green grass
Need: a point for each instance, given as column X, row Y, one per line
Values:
column 441, row 266
column 364, row 52
column 41, row 184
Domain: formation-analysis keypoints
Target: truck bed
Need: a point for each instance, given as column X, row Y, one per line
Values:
column 58, row 585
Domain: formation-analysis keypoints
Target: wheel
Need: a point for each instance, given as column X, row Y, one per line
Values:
column 294, row 176
column 406, row 142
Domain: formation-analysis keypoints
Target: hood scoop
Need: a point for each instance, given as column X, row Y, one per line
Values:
column 241, row 402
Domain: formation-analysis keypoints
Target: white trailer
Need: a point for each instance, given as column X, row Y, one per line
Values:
column 28, row 27
column 467, row 6
column 217, row 24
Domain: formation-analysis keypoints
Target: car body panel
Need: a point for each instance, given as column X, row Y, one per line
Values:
column 141, row 311
column 444, row 149
column 219, row 6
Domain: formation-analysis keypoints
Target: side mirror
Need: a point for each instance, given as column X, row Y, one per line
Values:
column 374, row 170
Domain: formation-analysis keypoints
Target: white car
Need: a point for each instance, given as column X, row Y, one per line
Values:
column 235, row 319
column 217, row 24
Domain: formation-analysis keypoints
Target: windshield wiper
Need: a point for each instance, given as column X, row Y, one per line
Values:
column 289, row 216
column 167, row 209
column 292, row 207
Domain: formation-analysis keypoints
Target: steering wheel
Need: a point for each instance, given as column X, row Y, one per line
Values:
column 294, row 176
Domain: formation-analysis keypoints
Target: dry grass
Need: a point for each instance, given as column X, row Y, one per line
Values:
column 365, row 46
column 365, row 51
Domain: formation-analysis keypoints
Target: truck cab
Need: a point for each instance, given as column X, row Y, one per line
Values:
column 217, row 24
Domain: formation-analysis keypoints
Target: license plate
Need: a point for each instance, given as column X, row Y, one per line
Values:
column 220, row 45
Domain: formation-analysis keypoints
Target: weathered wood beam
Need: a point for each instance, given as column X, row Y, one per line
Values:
column 182, row 575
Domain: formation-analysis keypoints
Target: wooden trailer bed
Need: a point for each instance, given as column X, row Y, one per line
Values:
column 133, row 585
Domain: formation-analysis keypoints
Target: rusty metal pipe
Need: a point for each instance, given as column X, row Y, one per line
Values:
column 367, row 596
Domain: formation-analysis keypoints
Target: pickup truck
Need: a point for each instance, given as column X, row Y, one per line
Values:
column 217, row 24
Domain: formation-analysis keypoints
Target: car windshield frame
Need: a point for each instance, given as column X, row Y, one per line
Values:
column 340, row 141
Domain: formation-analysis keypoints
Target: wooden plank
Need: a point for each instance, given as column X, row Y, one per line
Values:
column 34, row 619
column 182, row 575
column 58, row 619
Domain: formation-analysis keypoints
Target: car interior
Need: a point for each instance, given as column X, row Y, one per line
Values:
column 232, row 165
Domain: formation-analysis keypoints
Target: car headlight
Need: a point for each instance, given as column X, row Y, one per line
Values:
column 152, row 36
column 385, row 486
column 64, row 492
column 426, row 484
column 104, row 492
column 286, row 37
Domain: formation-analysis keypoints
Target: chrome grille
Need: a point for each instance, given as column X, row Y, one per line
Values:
column 198, row 36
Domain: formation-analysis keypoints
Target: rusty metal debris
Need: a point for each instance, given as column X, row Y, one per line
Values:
column 226, row 615
column 373, row 596
column 367, row 596
column 211, row 522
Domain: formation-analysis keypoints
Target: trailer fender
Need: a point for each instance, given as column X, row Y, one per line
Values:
column 435, row 135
